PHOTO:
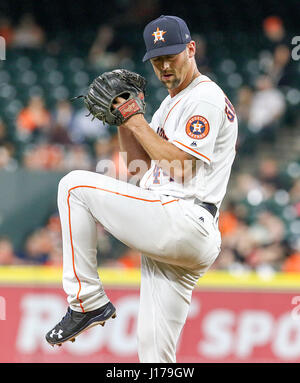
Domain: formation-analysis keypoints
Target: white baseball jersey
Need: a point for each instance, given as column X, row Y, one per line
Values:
column 201, row 121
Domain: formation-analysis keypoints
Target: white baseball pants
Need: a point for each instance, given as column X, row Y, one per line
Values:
column 177, row 248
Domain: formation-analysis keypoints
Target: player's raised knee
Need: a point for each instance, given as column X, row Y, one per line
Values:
column 73, row 178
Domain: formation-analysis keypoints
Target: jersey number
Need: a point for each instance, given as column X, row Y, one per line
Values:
column 229, row 110
column 156, row 175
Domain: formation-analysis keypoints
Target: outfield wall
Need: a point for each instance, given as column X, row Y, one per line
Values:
column 233, row 318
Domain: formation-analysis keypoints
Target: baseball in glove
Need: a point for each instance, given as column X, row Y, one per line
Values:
column 106, row 88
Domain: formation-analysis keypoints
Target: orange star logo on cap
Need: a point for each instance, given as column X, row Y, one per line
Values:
column 158, row 34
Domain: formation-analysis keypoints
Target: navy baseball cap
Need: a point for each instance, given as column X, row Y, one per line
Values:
column 166, row 35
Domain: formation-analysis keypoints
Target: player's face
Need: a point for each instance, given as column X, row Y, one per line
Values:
column 172, row 70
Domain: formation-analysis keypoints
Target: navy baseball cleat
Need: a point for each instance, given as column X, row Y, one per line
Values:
column 74, row 323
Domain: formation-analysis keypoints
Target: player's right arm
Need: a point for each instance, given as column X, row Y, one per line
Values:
column 137, row 159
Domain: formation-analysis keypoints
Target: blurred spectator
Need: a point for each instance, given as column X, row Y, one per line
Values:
column 255, row 245
column 63, row 114
column 7, row 161
column 269, row 173
column 55, row 257
column 100, row 54
column 125, row 58
column 292, row 263
column 3, row 133
column 33, row 120
column 77, row 157
column 107, row 53
column 225, row 261
column 86, row 129
column 243, row 104
column 270, row 256
column 267, row 107
column 201, row 58
column 54, row 228
column 104, row 244
column 236, row 247
column 7, row 150
column 131, row 259
column 62, row 119
column 37, row 247
column 54, row 231
column 242, row 107
column 59, row 135
column 57, row 158
column 103, row 149
column 295, row 192
column 267, row 229
column 279, row 66
column 109, row 160
column 274, row 31
column 43, row 246
column 136, row 13
column 228, row 221
column 281, row 69
column 269, row 234
column 244, row 183
column 128, row 260
column 28, row 34
column 44, row 157
column 7, row 253
column 6, row 30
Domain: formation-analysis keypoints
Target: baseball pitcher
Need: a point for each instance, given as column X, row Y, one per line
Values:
column 171, row 218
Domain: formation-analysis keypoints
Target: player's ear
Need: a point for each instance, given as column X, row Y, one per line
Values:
column 191, row 48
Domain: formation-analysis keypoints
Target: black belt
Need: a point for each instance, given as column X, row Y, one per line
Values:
column 208, row 206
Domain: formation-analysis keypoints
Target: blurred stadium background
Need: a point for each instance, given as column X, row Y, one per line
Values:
column 245, row 308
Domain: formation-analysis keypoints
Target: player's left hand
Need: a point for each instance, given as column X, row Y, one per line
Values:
column 118, row 102
column 135, row 119
column 116, row 96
